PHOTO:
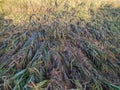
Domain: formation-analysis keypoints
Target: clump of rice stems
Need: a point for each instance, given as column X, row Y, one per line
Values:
column 75, row 46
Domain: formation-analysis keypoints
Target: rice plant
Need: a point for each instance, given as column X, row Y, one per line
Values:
column 59, row 45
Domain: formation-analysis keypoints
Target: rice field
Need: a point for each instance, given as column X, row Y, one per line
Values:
column 59, row 45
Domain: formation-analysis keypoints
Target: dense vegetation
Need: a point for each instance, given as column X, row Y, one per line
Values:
column 59, row 44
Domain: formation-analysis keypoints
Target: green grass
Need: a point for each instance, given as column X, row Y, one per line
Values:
column 60, row 45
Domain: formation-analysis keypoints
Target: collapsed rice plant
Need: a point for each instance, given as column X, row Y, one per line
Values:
column 68, row 45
